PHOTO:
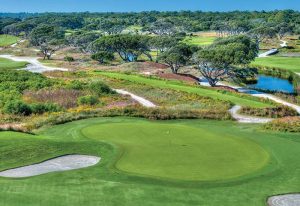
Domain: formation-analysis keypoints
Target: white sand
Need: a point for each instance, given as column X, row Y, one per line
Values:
column 141, row 100
column 64, row 163
column 34, row 65
column 284, row 200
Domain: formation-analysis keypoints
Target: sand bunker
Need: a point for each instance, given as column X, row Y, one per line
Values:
column 284, row 200
column 64, row 163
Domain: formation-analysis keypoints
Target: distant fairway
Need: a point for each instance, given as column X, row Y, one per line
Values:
column 287, row 63
column 9, row 64
column 178, row 151
column 244, row 100
column 199, row 40
column 7, row 40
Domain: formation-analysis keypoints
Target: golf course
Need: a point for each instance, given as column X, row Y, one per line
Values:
column 153, row 163
column 160, row 103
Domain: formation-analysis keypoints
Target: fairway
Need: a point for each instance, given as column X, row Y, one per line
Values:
column 239, row 99
column 9, row 64
column 199, row 40
column 178, row 151
column 7, row 40
column 287, row 63
column 136, row 162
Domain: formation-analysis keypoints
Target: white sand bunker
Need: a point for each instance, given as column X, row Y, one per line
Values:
column 284, row 200
column 64, row 163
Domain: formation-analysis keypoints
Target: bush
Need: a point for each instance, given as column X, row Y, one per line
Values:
column 275, row 112
column 287, row 124
column 69, row 59
column 43, row 108
column 103, row 56
column 99, row 88
column 88, row 100
column 17, row 108
column 76, row 85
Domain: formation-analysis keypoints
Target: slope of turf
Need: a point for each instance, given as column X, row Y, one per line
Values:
column 179, row 151
column 244, row 100
column 7, row 40
column 287, row 63
column 9, row 64
column 105, row 185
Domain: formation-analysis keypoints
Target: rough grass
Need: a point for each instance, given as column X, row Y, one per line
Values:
column 7, row 40
column 104, row 184
column 239, row 99
column 9, row 64
column 287, row 63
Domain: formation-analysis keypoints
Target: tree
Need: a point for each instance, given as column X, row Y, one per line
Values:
column 128, row 47
column 262, row 33
column 162, row 27
column 283, row 29
column 162, row 43
column 177, row 56
column 83, row 40
column 110, row 27
column 103, row 56
column 48, row 38
column 225, row 58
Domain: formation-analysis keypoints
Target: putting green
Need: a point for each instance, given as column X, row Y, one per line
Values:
column 178, row 151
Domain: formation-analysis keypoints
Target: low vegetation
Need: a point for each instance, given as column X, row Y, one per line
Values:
column 287, row 124
column 274, row 112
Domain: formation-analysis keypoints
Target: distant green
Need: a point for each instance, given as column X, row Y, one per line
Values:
column 9, row 64
column 287, row 63
column 7, row 40
column 199, row 40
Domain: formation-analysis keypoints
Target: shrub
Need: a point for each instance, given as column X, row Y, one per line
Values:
column 76, row 85
column 287, row 124
column 88, row 100
column 69, row 59
column 17, row 108
column 63, row 97
column 275, row 112
column 99, row 88
column 103, row 56
column 43, row 108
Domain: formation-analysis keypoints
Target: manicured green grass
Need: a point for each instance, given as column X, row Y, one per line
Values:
column 105, row 184
column 244, row 100
column 9, row 64
column 179, row 152
column 7, row 40
column 288, row 63
column 199, row 40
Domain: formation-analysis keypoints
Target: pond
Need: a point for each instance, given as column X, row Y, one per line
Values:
column 273, row 84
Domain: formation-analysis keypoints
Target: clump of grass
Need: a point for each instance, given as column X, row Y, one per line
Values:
column 287, row 124
column 271, row 112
